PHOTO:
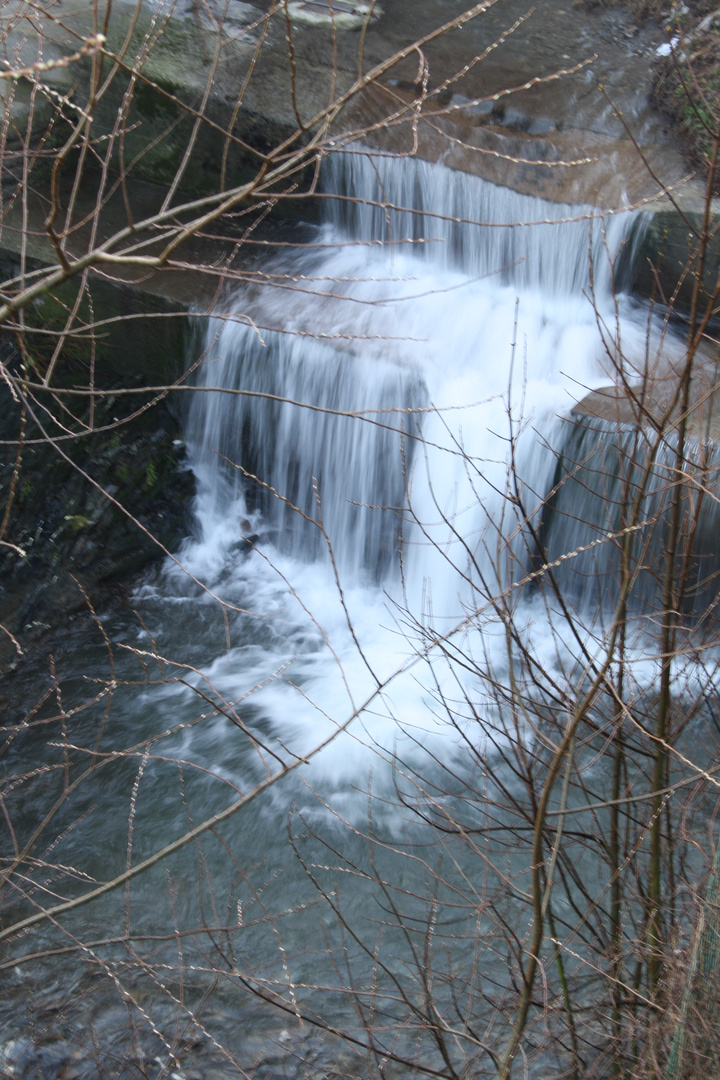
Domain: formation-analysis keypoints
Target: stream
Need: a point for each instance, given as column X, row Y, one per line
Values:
column 352, row 525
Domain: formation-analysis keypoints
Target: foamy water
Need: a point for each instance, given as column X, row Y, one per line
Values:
column 447, row 353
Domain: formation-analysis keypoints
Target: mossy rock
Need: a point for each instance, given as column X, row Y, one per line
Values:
column 97, row 530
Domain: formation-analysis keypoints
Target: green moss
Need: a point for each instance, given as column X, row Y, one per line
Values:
column 151, row 477
column 152, row 105
column 78, row 522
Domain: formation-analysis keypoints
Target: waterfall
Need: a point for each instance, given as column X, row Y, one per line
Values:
column 460, row 221
column 599, row 475
column 332, row 468
column 418, row 284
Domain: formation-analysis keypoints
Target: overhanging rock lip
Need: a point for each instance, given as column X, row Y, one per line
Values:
column 655, row 405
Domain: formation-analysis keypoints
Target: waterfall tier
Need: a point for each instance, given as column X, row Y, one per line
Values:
column 427, row 290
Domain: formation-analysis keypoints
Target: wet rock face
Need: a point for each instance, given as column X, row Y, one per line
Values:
column 85, row 513
column 281, row 64
column 666, row 259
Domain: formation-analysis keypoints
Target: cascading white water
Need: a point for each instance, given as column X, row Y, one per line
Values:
column 329, row 466
column 384, row 330
column 486, row 328
column 459, row 222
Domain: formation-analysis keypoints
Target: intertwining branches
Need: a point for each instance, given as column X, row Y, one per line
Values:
column 499, row 790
